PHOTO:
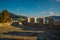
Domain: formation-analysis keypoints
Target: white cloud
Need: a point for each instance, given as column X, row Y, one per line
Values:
column 57, row 0
column 38, row 6
column 43, row 12
column 51, row 8
column 18, row 9
column 51, row 13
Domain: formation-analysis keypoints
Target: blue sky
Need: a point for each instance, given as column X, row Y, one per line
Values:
column 31, row 7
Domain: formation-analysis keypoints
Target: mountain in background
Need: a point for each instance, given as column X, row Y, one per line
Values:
column 13, row 15
column 57, row 18
column 16, row 16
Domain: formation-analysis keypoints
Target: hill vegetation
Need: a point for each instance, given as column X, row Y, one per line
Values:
column 6, row 16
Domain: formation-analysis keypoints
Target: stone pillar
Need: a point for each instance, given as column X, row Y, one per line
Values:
column 50, row 21
column 43, row 20
column 35, row 20
column 28, row 20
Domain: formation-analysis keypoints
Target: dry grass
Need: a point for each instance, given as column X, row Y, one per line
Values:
column 7, row 28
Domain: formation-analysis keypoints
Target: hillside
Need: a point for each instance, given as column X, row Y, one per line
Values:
column 12, row 15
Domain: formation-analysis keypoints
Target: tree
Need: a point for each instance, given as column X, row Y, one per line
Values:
column 5, row 16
